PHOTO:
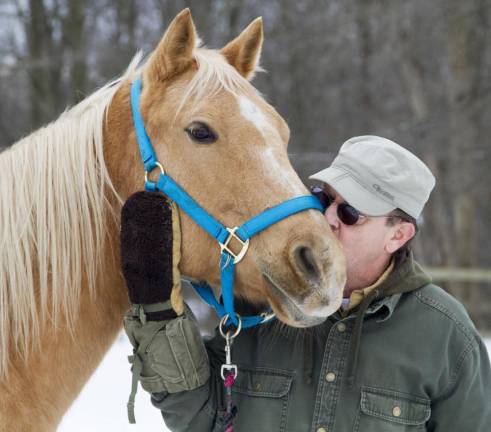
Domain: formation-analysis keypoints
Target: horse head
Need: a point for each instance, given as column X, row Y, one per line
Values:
column 226, row 146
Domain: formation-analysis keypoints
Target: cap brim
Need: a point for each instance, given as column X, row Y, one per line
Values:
column 361, row 198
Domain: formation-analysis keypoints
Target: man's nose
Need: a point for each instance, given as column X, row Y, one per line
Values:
column 332, row 216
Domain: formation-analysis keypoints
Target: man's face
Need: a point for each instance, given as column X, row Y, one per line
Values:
column 364, row 244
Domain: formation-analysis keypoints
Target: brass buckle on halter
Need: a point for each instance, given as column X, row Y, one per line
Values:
column 224, row 245
column 157, row 165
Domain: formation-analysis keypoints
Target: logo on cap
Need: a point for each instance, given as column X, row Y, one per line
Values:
column 383, row 192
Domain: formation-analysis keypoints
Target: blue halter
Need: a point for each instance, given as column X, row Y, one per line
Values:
column 222, row 234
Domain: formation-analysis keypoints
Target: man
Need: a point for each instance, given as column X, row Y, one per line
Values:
column 400, row 354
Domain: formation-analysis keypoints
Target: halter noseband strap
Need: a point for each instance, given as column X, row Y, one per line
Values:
column 222, row 234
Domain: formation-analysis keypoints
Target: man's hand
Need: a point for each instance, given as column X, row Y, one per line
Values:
column 163, row 343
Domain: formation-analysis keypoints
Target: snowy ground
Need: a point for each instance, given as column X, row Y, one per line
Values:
column 101, row 407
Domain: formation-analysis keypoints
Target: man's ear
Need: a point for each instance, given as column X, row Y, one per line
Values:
column 399, row 235
column 174, row 52
column 244, row 51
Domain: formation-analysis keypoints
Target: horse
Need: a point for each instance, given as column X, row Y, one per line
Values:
column 62, row 293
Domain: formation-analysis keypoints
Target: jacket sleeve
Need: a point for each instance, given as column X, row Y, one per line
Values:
column 465, row 406
column 200, row 409
column 179, row 370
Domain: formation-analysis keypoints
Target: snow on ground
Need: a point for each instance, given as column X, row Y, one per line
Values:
column 101, row 407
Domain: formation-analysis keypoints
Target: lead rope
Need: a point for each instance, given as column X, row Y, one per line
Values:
column 229, row 372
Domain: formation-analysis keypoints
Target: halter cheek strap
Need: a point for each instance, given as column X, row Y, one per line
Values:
column 242, row 234
column 146, row 149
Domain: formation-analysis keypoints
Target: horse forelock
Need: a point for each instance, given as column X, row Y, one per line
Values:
column 54, row 199
column 213, row 75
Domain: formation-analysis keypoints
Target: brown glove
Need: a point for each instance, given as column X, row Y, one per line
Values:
column 150, row 254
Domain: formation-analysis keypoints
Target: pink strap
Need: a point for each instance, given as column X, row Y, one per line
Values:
column 229, row 380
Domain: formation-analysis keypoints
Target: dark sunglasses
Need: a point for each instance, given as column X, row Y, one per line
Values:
column 347, row 214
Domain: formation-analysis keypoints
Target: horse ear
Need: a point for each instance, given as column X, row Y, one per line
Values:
column 174, row 52
column 244, row 51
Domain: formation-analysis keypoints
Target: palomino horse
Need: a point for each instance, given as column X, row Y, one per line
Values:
column 62, row 295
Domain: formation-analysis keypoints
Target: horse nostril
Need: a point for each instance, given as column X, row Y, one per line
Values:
column 305, row 260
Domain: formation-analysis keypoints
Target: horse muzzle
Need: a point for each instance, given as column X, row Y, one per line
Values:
column 302, row 310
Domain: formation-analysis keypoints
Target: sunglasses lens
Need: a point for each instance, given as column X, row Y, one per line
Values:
column 319, row 193
column 348, row 214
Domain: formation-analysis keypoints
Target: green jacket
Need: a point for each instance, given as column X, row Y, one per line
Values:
column 413, row 361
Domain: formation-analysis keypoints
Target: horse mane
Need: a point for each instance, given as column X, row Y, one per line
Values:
column 54, row 198
column 53, row 206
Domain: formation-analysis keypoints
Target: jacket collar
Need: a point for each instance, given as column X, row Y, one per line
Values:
column 406, row 275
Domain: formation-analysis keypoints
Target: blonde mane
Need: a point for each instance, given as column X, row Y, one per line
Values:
column 53, row 206
column 53, row 203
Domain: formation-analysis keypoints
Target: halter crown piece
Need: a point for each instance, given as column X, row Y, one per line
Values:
column 228, row 259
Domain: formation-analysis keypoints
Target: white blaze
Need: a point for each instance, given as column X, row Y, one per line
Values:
column 252, row 113
column 282, row 175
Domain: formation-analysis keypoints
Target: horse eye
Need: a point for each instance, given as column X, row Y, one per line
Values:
column 201, row 133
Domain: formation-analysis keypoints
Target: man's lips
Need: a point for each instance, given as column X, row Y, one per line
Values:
column 288, row 305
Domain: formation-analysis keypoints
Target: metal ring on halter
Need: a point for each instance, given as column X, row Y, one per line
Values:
column 222, row 323
column 157, row 165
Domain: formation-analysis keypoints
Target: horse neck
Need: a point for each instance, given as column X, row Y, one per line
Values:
column 37, row 392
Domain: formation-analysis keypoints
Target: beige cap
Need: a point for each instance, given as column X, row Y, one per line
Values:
column 375, row 175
